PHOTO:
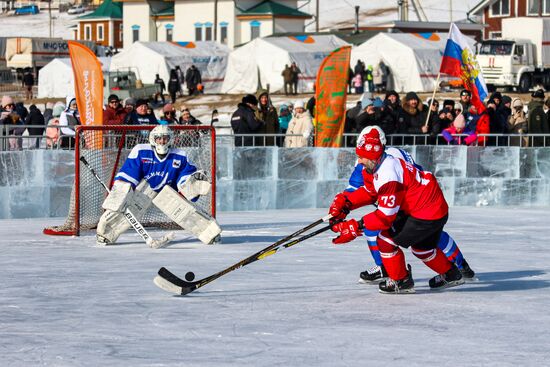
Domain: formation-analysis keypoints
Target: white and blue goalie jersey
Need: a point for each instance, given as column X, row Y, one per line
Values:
column 143, row 163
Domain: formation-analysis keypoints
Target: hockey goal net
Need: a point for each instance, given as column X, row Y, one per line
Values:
column 106, row 148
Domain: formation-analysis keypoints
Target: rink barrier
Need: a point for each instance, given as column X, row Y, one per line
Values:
column 37, row 183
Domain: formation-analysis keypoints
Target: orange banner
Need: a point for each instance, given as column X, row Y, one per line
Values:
column 330, row 98
column 88, row 87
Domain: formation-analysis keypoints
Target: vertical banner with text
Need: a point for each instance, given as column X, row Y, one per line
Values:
column 88, row 85
column 330, row 98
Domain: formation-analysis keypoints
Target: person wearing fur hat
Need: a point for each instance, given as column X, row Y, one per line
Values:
column 245, row 121
column 537, row 122
column 412, row 119
column 302, row 125
column 398, row 187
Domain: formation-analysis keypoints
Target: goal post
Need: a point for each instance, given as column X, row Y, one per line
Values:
column 106, row 149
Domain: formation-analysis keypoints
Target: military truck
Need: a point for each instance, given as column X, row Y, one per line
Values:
column 124, row 83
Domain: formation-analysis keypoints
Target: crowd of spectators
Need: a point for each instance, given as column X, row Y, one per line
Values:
column 410, row 116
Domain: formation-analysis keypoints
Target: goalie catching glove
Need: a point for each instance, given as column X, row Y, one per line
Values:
column 196, row 185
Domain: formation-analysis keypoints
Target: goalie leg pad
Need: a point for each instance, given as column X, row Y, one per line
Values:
column 113, row 223
column 118, row 196
column 181, row 211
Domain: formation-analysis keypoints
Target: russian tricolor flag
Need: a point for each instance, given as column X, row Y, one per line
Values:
column 459, row 60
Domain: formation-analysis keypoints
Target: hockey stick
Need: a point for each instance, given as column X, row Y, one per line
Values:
column 131, row 218
column 169, row 282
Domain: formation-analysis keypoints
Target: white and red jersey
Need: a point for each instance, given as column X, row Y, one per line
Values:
column 399, row 186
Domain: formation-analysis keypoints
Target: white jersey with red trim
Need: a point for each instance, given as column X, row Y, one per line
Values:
column 400, row 186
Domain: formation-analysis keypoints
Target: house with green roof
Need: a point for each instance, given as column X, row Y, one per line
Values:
column 103, row 26
column 230, row 22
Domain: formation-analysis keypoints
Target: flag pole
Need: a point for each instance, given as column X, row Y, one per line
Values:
column 432, row 100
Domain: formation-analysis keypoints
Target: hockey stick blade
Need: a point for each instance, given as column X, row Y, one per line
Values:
column 170, row 282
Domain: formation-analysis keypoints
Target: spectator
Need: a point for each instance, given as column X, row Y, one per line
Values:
column 139, row 116
column 68, row 120
column 497, row 123
column 413, row 116
column 350, row 125
column 244, row 121
column 21, row 110
column 506, row 109
column 434, row 123
column 193, row 78
column 52, row 129
column 48, row 112
column 381, row 77
column 284, row 118
column 370, row 78
column 392, row 111
column 11, row 123
column 357, row 83
column 497, row 99
column 173, row 85
column 478, row 122
column 28, row 83
column 517, row 122
column 186, row 118
column 300, row 124
column 359, row 68
column 458, row 127
column 287, row 79
column 159, row 82
column 537, row 122
column 114, row 113
column 268, row 114
column 465, row 99
column 367, row 115
column 181, row 79
column 295, row 70
column 35, row 118
column 458, row 109
column 310, row 105
column 129, row 105
column 169, row 114
column 448, row 104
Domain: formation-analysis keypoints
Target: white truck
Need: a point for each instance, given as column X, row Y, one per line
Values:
column 521, row 59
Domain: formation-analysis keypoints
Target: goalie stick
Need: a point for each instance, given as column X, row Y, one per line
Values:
column 171, row 283
column 131, row 218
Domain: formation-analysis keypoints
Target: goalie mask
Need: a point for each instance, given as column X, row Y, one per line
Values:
column 161, row 139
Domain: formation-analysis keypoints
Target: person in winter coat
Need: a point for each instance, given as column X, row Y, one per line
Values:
column 186, row 118
column 52, row 129
column 287, row 79
column 193, row 78
column 173, row 85
column 412, row 119
column 68, row 120
column 302, row 125
column 295, row 76
column 139, row 116
column 169, row 114
column 268, row 114
column 35, row 117
column 537, row 122
column 517, row 123
column 48, row 112
column 244, row 121
column 161, row 86
column 458, row 127
column 114, row 113
column 284, row 118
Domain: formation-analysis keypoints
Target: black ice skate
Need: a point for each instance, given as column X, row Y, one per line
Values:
column 391, row 286
column 373, row 275
column 467, row 273
column 451, row 278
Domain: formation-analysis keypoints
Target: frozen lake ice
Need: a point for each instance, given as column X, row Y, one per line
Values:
column 67, row 302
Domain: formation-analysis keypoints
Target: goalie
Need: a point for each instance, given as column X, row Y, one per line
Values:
column 157, row 174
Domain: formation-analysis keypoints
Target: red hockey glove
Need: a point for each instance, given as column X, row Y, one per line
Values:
column 339, row 208
column 349, row 230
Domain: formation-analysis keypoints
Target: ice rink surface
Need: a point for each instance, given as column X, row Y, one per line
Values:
column 67, row 302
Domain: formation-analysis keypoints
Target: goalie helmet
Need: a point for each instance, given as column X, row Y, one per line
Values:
column 161, row 139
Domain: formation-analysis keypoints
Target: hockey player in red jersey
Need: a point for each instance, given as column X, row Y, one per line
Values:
column 397, row 186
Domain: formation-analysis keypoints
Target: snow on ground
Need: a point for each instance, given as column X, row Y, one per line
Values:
column 66, row 302
column 339, row 14
column 37, row 25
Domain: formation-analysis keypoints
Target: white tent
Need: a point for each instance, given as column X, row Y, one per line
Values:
column 261, row 62
column 413, row 59
column 150, row 58
column 55, row 79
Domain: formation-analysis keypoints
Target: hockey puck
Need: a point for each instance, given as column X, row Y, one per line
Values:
column 190, row 276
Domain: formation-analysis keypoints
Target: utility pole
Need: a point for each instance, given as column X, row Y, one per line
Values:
column 316, row 15
column 215, row 20
column 356, row 20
